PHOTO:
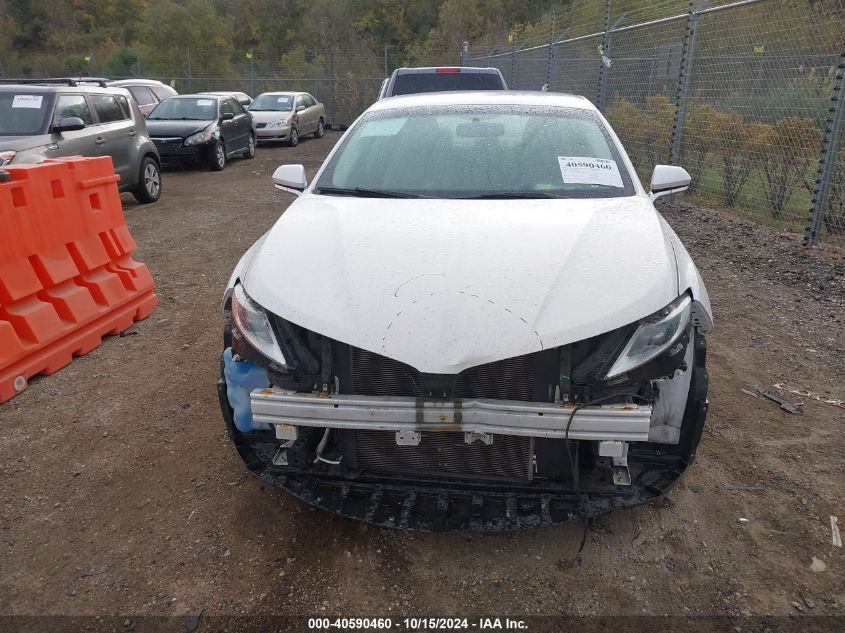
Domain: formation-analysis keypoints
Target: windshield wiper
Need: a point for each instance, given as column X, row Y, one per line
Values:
column 366, row 193
column 514, row 195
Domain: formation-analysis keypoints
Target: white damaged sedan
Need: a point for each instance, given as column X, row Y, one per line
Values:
column 472, row 319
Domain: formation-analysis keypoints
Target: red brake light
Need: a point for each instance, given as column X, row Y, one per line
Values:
column 447, row 70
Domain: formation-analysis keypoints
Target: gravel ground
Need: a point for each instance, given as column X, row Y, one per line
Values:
column 123, row 497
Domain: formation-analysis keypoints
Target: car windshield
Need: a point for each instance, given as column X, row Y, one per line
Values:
column 24, row 114
column 272, row 103
column 479, row 151
column 443, row 81
column 188, row 108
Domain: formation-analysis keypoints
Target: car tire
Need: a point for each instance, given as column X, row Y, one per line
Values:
column 217, row 156
column 320, row 132
column 149, row 181
column 250, row 150
column 294, row 136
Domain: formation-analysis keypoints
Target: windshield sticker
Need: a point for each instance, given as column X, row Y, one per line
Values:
column 27, row 101
column 584, row 170
column 283, row 99
column 383, row 127
column 205, row 102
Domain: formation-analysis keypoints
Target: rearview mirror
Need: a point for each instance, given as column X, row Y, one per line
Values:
column 290, row 178
column 666, row 179
column 227, row 116
column 69, row 124
column 300, row 108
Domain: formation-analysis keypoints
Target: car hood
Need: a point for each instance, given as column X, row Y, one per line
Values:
column 269, row 117
column 444, row 285
column 184, row 129
column 20, row 143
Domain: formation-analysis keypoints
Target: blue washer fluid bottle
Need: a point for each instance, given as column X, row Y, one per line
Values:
column 241, row 378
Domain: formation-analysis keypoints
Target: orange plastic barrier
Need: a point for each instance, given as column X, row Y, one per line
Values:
column 67, row 277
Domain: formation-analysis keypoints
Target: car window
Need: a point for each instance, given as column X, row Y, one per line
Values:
column 161, row 92
column 309, row 101
column 412, row 83
column 300, row 101
column 107, row 108
column 473, row 151
column 228, row 105
column 142, row 95
column 239, row 109
column 124, row 106
column 185, row 108
column 73, row 106
column 24, row 114
column 272, row 103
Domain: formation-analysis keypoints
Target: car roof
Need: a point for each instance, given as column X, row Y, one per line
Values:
column 283, row 92
column 483, row 97
column 200, row 95
column 137, row 82
column 434, row 69
column 48, row 87
column 223, row 93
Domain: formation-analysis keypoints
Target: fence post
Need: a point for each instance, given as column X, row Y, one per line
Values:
column 551, row 50
column 464, row 53
column 604, row 46
column 189, row 73
column 513, row 62
column 385, row 60
column 827, row 158
column 604, row 69
column 685, row 70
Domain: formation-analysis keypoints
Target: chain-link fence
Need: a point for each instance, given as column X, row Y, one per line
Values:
column 749, row 96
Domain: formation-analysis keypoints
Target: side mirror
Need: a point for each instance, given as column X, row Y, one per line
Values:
column 227, row 116
column 290, row 178
column 69, row 124
column 666, row 179
column 300, row 108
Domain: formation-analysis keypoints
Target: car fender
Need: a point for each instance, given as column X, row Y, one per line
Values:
column 240, row 269
column 689, row 279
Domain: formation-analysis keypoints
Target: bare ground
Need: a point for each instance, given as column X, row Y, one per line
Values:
column 122, row 495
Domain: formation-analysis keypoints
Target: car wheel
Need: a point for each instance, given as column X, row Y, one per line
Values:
column 320, row 132
column 149, row 181
column 217, row 159
column 250, row 149
column 294, row 137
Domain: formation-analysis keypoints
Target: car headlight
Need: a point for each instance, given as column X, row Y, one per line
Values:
column 279, row 123
column 654, row 336
column 6, row 157
column 250, row 320
column 203, row 137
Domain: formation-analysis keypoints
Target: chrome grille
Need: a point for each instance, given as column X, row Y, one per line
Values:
column 507, row 456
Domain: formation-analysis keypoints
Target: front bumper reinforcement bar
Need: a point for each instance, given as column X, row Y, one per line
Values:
column 625, row 423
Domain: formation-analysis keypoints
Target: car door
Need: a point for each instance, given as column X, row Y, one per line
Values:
column 116, row 136
column 78, row 142
column 302, row 122
column 245, row 123
column 231, row 129
column 312, row 110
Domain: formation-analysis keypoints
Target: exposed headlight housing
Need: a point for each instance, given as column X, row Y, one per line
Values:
column 279, row 123
column 6, row 157
column 653, row 336
column 251, row 322
column 203, row 137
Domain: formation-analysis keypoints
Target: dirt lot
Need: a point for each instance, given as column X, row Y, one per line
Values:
column 122, row 495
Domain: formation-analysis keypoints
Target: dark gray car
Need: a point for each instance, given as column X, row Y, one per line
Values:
column 51, row 120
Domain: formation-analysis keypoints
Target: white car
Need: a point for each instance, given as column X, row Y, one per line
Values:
column 472, row 319
column 287, row 116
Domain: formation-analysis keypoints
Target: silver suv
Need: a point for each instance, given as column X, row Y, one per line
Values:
column 41, row 119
